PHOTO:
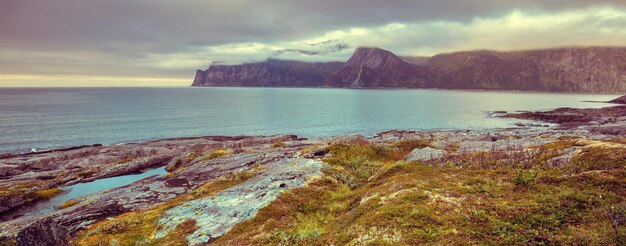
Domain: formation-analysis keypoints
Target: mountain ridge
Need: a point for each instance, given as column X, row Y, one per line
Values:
column 568, row 69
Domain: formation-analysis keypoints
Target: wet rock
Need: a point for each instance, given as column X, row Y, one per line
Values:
column 43, row 233
column 425, row 154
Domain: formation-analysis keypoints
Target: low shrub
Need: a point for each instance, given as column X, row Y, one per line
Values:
column 525, row 178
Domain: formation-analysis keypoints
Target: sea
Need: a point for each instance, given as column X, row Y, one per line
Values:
column 35, row 119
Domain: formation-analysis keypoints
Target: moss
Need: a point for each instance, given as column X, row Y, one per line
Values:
column 8, row 241
column 218, row 153
column 68, row 203
column 178, row 235
column 404, row 203
column 21, row 188
column 525, row 178
column 88, row 173
column 278, row 145
column 46, row 194
column 507, row 157
column 617, row 215
column 598, row 158
column 29, row 192
column 370, row 196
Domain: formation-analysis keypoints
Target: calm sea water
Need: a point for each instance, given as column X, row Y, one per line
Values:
column 78, row 190
column 52, row 118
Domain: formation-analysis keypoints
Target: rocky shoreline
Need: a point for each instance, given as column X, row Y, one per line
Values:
column 215, row 183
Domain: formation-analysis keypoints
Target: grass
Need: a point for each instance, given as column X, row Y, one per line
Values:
column 278, row 145
column 218, row 153
column 31, row 191
column 181, row 163
column 68, row 203
column 46, row 194
column 138, row 227
column 369, row 196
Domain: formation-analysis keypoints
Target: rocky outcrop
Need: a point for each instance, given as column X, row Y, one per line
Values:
column 605, row 121
column 281, row 169
column 593, row 69
column 270, row 73
column 36, row 173
column 43, row 233
column 425, row 154
column 232, row 206
column 619, row 100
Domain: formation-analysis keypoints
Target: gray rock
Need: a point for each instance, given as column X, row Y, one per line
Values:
column 217, row 214
column 43, row 233
column 425, row 154
column 562, row 160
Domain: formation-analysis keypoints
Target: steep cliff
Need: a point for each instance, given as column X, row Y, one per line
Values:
column 596, row 69
column 375, row 68
column 272, row 72
column 593, row 69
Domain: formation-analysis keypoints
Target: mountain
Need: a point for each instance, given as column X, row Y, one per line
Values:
column 416, row 60
column 376, row 68
column 269, row 73
column 592, row 69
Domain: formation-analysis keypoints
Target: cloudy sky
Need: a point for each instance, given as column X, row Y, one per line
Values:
column 162, row 43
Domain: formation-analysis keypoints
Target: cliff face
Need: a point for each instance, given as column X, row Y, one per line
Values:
column 595, row 69
column 598, row 69
column 268, row 73
column 374, row 68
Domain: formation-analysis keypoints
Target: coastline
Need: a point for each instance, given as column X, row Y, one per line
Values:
column 250, row 162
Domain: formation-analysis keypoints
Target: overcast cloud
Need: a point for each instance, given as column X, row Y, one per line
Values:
column 151, row 42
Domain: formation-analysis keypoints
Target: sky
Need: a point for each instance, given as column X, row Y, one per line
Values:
column 161, row 43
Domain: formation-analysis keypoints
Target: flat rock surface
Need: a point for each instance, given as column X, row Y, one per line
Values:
column 425, row 154
column 221, row 212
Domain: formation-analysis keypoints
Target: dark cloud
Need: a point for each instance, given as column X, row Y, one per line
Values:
column 121, row 36
column 139, row 26
column 329, row 46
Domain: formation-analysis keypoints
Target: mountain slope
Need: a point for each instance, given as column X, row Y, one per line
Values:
column 268, row 73
column 596, row 69
column 375, row 68
column 593, row 69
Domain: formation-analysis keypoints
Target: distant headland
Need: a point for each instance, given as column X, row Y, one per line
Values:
column 575, row 69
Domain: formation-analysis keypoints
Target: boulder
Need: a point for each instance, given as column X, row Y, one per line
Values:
column 425, row 154
column 43, row 233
